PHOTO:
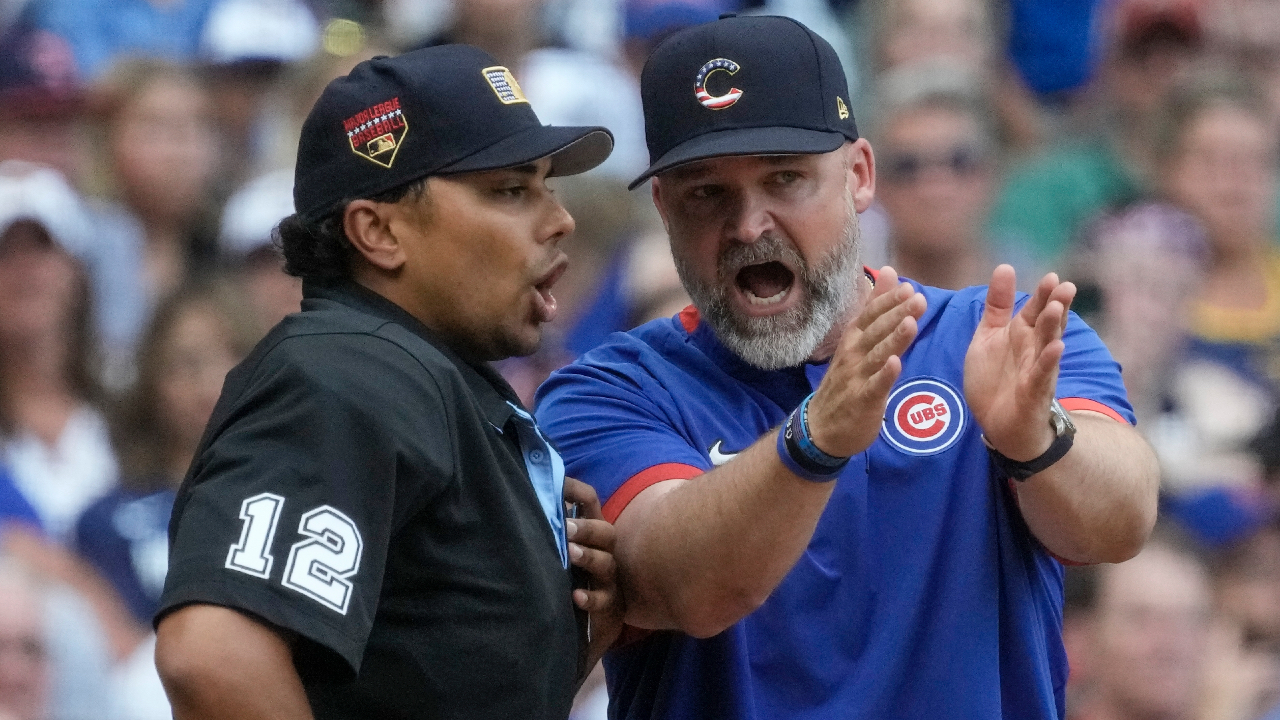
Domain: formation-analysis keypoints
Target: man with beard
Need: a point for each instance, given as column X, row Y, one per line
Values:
column 836, row 495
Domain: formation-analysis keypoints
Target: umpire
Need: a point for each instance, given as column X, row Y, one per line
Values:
column 373, row 526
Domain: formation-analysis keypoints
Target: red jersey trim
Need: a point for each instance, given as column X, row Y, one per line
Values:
column 689, row 319
column 1093, row 405
column 642, row 480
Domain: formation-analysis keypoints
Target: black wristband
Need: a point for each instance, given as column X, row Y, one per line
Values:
column 799, row 453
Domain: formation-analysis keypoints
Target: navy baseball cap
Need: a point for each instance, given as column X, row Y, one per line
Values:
column 435, row 111
column 751, row 85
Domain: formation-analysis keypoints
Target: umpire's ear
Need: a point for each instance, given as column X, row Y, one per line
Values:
column 368, row 227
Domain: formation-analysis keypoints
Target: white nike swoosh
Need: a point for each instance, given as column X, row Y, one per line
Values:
column 719, row 458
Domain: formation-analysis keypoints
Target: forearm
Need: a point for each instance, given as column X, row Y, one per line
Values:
column 698, row 556
column 217, row 664
column 1098, row 503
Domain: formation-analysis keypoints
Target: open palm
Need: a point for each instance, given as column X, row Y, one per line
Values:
column 1011, row 368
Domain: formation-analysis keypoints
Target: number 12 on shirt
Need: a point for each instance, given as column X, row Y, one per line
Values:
column 320, row 566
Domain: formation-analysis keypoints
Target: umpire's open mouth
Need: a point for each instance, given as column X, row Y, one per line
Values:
column 765, row 285
column 545, row 308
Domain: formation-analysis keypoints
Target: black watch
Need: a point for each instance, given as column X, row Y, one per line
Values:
column 1064, row 433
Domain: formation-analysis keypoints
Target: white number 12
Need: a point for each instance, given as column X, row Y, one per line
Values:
column 319, row 567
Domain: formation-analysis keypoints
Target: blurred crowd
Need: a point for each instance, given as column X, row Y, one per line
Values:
column 1133, row 146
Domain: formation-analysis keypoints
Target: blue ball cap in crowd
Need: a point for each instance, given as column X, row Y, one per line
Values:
column 751, row 85
column 435, row 111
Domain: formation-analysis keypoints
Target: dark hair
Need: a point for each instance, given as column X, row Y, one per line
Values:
column 143, row 442
column 1187, row 102
column 320, row 250
column 81, row 362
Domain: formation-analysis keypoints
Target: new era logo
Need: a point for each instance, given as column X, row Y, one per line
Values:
column 504, row 84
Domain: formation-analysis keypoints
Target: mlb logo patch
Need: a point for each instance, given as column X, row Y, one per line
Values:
column 376, row 132
column 923, row 417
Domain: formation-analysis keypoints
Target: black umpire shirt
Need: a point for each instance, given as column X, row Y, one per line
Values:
column 363, row 487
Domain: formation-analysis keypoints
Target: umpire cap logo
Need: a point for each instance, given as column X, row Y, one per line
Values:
column 376, row 132
column 504, row 84
column 716, row 102
column 923, row 417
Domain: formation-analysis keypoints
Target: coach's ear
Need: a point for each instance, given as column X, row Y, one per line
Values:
column 655, row 187
column 368, row 227
column 860, row 169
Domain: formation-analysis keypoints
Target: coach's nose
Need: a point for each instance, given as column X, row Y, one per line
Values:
column 750, row 217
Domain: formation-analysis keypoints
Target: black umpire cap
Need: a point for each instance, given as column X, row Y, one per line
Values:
column 752, row 85
column 435, row 111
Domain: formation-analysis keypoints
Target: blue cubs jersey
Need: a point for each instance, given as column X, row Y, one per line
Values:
column 922, row 593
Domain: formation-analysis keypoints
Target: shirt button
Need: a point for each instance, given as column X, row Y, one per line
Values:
column 535, row 455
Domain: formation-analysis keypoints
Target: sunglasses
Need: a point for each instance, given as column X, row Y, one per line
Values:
column 906, row 167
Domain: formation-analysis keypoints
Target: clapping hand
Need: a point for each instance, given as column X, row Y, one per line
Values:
column 1011, row 368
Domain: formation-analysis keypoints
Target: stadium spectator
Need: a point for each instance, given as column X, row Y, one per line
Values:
column 1146, row 628
column 248, row 221
column 1105, row 161
column 52, row 437
column 938, row 161
column 100, row 33
column 1138, row 270
column 158, row 228
column 1218, row 160
column 964, row 34
column 41, row 100
column 24, row 666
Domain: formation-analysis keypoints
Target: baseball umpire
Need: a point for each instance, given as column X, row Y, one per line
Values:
column 837, row 495
column 373, row 526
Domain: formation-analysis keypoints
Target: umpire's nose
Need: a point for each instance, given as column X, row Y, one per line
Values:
column 559, row 223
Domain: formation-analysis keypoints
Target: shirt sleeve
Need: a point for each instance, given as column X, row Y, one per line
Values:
column 617, row 429
column 289, row 507
column 1088, row 377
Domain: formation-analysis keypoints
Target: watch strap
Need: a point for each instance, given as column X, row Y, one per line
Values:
column 1020, row 471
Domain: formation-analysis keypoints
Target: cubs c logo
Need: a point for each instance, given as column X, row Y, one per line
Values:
column 923, row 417
column 716, row 102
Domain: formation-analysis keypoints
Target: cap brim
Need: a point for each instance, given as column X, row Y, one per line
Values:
column 745, row 141
column 572, row 150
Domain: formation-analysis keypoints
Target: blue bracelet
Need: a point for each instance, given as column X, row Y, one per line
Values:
column 800, row 455
column 805, row 440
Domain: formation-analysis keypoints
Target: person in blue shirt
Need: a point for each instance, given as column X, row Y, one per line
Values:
column 836, row 495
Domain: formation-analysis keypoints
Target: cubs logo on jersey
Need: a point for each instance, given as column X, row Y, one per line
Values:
column 924, row 416
column 716, row 102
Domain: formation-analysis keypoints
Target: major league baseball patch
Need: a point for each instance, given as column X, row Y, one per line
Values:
column 376, row 132
column 923, row 417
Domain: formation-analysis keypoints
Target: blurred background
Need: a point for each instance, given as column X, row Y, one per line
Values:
column 1133, row 146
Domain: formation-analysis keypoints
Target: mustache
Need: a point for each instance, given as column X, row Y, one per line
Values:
column 768, row 248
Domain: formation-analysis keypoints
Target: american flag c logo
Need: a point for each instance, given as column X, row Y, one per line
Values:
column 716, row 102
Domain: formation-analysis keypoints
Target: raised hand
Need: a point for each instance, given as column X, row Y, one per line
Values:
column 848, row 407
column 1011, row 368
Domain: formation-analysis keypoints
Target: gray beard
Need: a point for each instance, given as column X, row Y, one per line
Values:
column 790, row 338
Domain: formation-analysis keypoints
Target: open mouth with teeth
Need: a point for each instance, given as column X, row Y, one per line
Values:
column 765, row 284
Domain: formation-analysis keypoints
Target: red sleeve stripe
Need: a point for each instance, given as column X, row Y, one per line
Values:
column 637, row 484
column 1093, row 405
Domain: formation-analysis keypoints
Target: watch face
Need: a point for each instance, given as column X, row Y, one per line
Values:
column 1060, row 420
